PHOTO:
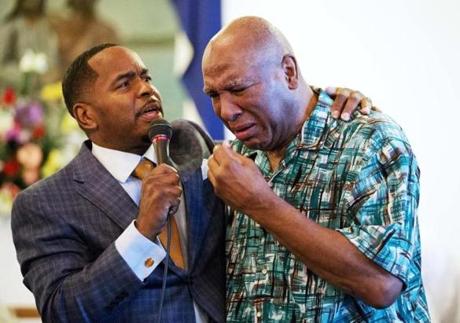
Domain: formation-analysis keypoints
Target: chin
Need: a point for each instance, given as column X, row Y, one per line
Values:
column 145, row 139
column 254, row 145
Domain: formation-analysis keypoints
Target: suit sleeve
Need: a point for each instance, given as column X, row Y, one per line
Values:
column 57, row 267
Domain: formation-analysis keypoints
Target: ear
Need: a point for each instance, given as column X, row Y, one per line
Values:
column 291, row 72
column 85, row 116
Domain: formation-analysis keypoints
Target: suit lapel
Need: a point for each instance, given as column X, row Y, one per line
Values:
column 197, row 219
column 98, row 186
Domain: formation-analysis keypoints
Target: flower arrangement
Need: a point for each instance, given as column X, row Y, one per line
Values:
column 37, row 135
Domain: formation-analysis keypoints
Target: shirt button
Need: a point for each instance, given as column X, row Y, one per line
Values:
column 258, row 314
column 148, row 262
column 264, row 271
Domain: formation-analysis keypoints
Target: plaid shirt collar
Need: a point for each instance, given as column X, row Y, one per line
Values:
column 311, row 136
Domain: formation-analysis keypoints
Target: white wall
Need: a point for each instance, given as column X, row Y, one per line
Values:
column 405, row 56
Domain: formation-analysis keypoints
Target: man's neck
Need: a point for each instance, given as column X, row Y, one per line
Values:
column 312, row 101
column 276, row 156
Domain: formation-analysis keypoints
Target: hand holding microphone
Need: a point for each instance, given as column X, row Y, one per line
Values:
column 161, row 188
column 160, row 134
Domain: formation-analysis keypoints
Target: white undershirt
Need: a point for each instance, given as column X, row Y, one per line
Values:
column 134, row 247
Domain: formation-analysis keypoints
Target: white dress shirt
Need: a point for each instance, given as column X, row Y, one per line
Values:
column 137, row 250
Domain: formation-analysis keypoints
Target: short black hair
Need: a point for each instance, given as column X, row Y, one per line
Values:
column 79, row 74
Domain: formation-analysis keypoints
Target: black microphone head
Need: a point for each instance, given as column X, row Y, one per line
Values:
column 189, row 145
column 160, row 127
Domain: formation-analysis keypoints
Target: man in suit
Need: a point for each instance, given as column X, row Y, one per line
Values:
column 87, row 237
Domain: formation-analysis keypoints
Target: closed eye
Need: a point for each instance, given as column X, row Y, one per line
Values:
column 212, row 94
column 238, row 91
column 147, row 78
column 123, row 84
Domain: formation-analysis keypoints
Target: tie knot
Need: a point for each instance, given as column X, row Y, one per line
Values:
column 144, row 167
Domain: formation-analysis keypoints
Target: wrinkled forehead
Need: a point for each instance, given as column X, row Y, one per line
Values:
column 223, row 57
column 226, row 74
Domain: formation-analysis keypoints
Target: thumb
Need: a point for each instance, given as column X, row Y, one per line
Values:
column 224, row 152
column 227, row 148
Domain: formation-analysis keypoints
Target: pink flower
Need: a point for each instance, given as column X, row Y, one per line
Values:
column 13, row 134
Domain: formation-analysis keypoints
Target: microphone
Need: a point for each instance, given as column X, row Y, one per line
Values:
column 160, row 133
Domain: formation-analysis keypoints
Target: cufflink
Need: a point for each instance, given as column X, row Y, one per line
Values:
column 148, row 262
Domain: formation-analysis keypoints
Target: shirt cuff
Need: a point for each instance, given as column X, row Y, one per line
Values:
column 204, row 169
column 141, row 254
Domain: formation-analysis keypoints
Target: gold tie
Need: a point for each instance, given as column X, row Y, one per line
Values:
column 142, row 169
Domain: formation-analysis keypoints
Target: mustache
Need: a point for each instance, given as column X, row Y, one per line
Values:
column 149, row 106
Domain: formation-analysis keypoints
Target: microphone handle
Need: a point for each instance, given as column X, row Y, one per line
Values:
column 161, row 145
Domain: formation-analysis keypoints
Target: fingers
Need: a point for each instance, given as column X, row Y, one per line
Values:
column 214, row 164
column 352, row 101
column 212, row 177
column 223, row 152
column 224, row 155
column 341, row 95
column 174, row 207
column 331, row 91
column 164, row 174
column 346, row 101
column 220, row 162
column 160, row 194
column 366, row 105
column 163, row 186
column 164, row 169
column 157, row 201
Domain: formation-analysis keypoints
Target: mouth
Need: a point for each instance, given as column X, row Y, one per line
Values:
column 150, row 111
column 244, row 132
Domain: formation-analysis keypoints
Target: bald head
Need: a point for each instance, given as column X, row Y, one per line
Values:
column 253, row 38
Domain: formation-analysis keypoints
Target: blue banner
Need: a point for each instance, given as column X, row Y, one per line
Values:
column 200, row 19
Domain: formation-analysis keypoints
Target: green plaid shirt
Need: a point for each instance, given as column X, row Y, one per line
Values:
column 359, row 178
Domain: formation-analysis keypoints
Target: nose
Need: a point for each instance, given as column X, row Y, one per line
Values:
column 147, row 89
column 228, row 110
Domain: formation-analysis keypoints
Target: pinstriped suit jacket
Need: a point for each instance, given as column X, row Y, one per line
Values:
column 64, row 229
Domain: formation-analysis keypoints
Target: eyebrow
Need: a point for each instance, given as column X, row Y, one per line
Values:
column 129, row 75
column 230, row 85
column 144, row 71
column 207, row 90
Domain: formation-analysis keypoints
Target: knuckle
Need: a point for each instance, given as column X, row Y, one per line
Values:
column 356, row 95
column 346, row 93
column 354, row 101
column 339, row 100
